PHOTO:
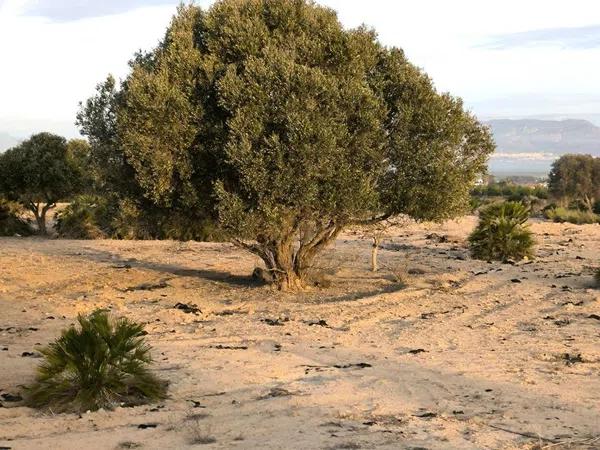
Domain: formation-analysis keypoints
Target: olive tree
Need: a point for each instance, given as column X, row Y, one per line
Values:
column 576, row 177
column 285, row 128
column 39, row 172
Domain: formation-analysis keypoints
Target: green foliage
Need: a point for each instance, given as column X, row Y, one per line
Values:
column 97, row 119
column 83, row 218
column 97, row 217
column 100, row 364
column 502, row 233
column 510, row 191
column 559, row 214
column 39, row 172
column 435, row 148
column 271, row 119
column 130, row 221
column 79, row 152
column 576, row 178
column 11, row 220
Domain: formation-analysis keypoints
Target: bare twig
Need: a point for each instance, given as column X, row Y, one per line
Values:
column 525, row 434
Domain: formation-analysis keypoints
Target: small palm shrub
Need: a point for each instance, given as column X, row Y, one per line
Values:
column 100, row 364
column 502, row 233
column 82, row 219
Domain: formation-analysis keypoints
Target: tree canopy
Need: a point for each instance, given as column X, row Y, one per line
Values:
column 576, row 178
column 284, row 127
column 39, row 172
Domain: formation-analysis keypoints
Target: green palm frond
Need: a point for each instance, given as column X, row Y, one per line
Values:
column 100, row 364
column 502, row 233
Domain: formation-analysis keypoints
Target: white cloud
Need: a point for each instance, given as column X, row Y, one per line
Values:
column 49, row 66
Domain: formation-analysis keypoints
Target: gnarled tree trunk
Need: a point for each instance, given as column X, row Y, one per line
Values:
column 289, row 255
column 40, row 215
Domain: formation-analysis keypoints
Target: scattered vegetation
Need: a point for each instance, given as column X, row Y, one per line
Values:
column 510, row 191
column 100, row 364
column 577, row 216
column 535, row 197
column 200, row 433
column 11, row 220
column 502, row 233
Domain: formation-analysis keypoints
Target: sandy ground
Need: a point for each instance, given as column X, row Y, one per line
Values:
column 464, row 355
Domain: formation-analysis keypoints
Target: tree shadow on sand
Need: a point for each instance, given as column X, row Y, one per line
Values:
column 122, row 262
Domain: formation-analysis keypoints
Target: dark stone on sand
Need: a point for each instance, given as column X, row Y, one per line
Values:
column 417, row 351
column 188, row 308
column 361, row 365
column 426, row 415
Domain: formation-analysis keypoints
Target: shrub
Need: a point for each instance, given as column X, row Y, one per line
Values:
column 11, row 221
column 132, row 221
column 100, row 364
column 94, row 217
column 502, row 233
column 576, row 216
column 356, row 133
column 510, row 191
column 82, row 218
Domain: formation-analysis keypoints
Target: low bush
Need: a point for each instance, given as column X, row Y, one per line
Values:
column 82, row 219
column 576, row 216
column 130, row 221
column 502, row 233
column 100, row 364
column 11, row 220
column 510, row 191
column 93, row 217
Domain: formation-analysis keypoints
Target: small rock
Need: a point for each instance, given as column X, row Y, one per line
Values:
column 426, row 415
column 188, row 308
column 275, row 322
column 417, row 351
column 361, row 365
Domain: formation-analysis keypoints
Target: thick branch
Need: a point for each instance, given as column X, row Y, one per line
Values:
column 371, row 221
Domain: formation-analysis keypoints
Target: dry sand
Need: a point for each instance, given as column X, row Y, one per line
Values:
column 466, row 355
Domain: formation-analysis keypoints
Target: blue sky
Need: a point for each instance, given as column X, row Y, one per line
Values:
column 505, row 58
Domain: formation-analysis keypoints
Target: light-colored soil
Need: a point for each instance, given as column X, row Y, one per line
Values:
column 499, row 357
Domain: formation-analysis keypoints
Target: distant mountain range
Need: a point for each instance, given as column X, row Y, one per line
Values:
column 546, row 136
column 523, row 145
column 530, row 145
